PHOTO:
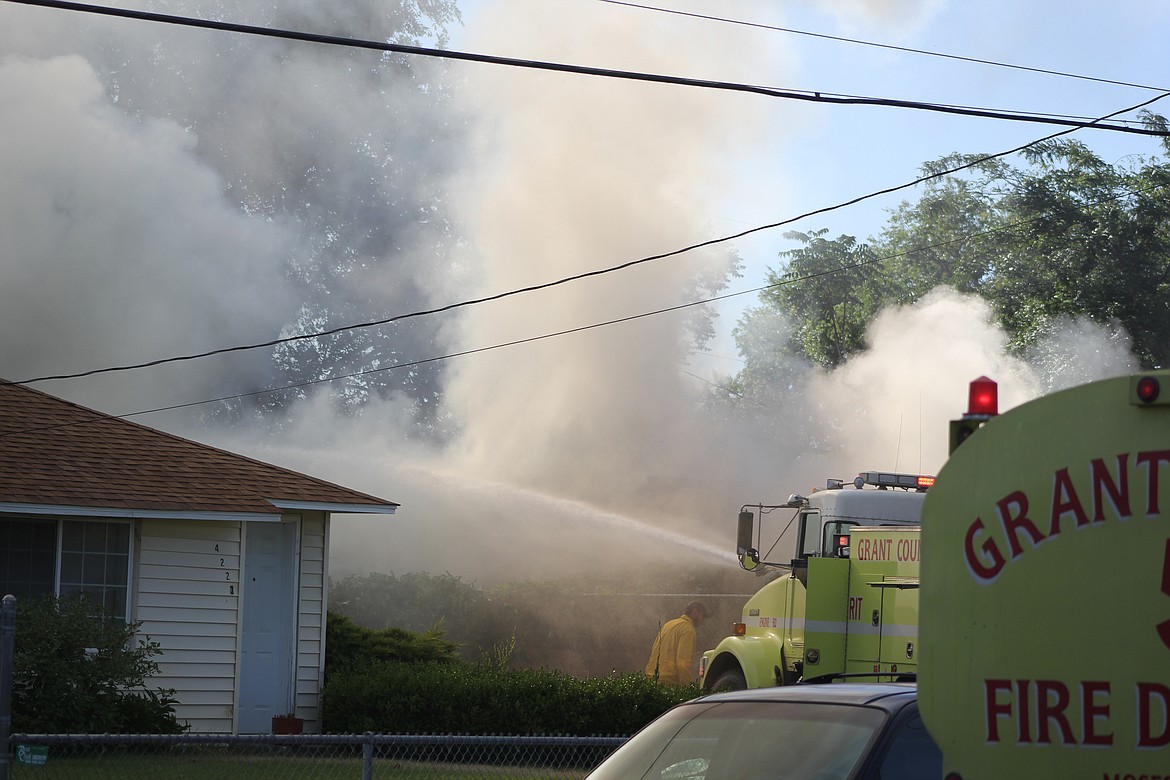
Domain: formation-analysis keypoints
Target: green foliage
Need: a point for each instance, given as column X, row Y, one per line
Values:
column 498, row 658
column 1093, row 240
column 348, row 644
column 77, row 670
column 949, row 238
column 418, row 601
column 477, row 699
column 382, row 680
column 1066, row 236
column 832, row 289
column 588, row 626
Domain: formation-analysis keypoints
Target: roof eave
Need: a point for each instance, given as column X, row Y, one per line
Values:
column 335, row 508
column 126, row 513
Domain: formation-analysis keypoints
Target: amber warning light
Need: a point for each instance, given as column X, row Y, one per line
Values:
column 983, row 398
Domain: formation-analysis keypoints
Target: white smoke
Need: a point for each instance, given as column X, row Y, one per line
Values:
column 188, row 189
column 896, row 17
column 579, row 173
column 169, row 191
column 118, row 242
column 888, row 406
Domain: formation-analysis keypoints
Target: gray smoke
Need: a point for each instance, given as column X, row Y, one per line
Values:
column 194, row 189
column 168, row 191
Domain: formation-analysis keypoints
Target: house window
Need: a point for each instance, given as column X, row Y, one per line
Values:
column 68, row 558
column 29, row 551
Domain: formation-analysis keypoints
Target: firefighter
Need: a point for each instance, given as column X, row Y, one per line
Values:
column 673, row 654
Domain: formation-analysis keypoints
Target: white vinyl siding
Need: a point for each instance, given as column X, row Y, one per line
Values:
column 186, row 596
column 187, row 599
column 311, row 620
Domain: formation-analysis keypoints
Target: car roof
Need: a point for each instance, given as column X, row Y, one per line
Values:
column 889, row 696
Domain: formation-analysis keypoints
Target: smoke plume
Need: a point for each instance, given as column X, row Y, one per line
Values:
column 169, row 191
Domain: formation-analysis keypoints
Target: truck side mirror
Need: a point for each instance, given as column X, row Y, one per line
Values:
column 749, row 557
column 743, row 538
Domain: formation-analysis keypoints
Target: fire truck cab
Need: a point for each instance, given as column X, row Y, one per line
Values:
column 847, row 601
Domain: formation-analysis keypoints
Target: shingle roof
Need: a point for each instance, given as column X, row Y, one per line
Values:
column 56, row 453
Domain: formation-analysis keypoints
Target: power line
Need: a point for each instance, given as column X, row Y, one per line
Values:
column 576, row 277
column 787, row 94
column 925, row 52
column 724, row 388
column 715, row 299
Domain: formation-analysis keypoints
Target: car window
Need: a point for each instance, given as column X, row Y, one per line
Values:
column 913, row 754
column 747, row 741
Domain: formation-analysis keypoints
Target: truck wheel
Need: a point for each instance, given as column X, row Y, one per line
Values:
column 731, row 680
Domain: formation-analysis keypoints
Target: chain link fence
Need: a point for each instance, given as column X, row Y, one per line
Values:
column 315, row 757
column 255, row 757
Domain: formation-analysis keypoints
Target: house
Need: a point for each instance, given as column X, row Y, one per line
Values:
column 222, row 559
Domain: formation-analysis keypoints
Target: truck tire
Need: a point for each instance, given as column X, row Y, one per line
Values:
column 731, row 680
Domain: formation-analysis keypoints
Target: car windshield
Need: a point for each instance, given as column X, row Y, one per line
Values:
column 747, row 741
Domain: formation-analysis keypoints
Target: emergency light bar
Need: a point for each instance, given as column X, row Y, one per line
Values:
column 886, row 480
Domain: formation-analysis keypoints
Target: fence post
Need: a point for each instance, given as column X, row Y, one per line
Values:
column 7, row 650
column 367, row 757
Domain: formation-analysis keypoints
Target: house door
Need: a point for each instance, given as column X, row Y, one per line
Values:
column 267, row 640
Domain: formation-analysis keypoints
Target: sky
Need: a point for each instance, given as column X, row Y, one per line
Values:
column 171, row 191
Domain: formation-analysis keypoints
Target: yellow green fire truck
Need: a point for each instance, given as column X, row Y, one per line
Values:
column 1046, row 609
column 846, row 603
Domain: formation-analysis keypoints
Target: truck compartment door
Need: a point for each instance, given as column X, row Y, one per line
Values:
column 826, row 605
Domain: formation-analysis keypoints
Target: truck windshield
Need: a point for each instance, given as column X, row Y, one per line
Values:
column 747, row 741
column 810, row 534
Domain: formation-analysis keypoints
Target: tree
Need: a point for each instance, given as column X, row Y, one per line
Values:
column 1093, row 240
column 947, row 238
column 349, row 152
column 1067, row 236
column 79, row 671
column 831, row 289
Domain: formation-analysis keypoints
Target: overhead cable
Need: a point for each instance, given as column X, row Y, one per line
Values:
column 576, row 277
column 788, row 94
column 891, row 47
column 856, row 265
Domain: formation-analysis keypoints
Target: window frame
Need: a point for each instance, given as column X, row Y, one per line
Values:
column 58, row 523
column 892, row 737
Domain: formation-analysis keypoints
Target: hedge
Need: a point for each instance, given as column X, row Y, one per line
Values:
column 462, row 698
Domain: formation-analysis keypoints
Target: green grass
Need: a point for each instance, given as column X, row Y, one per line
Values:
column 218, row 764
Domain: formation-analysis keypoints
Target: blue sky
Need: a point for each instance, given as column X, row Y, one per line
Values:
column 819, row 155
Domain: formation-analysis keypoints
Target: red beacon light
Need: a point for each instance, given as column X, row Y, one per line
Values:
column 1148, row 389
column 982, row 405
column 983, row 398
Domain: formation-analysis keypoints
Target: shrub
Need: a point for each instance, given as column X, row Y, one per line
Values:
column 78, row 670
column 478, row 699
column 348, row 644
column 615, row 612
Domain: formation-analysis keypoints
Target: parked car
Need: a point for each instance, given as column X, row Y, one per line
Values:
column 835, row 731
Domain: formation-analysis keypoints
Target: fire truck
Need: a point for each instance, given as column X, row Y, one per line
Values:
column 847, row 602
column 1046, row 611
